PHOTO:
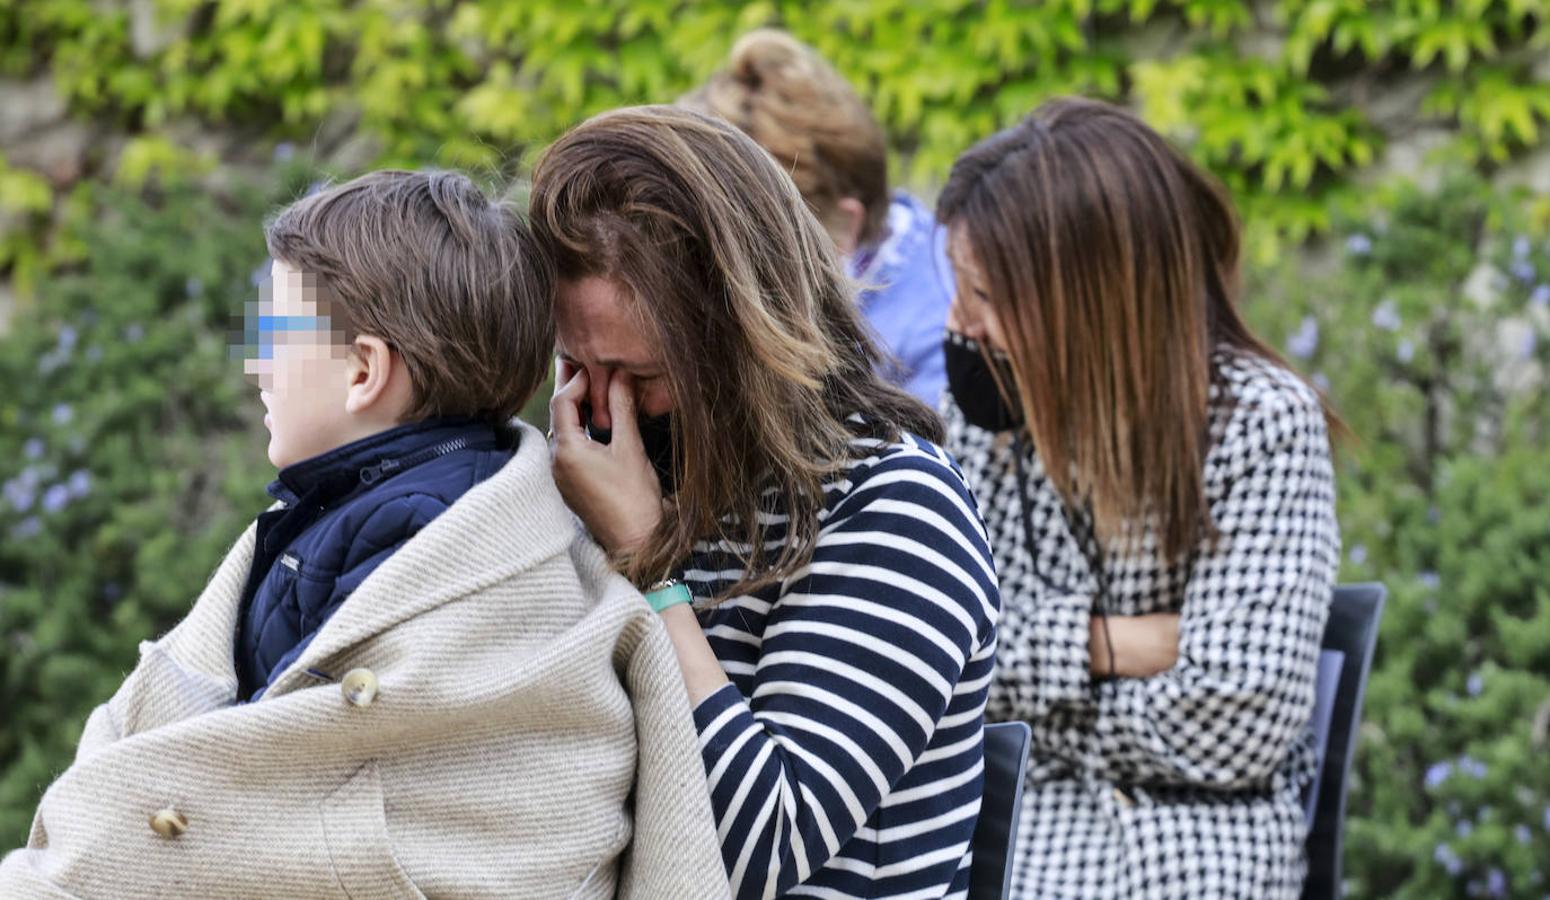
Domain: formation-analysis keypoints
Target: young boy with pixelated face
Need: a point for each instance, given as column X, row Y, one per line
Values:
column 399, row 332
column 413, row 674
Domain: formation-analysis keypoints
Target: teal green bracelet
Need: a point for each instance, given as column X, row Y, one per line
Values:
column 668, row 593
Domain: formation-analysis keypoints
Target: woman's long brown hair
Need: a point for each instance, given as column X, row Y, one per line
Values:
column 1111, row 261
column 766, row 354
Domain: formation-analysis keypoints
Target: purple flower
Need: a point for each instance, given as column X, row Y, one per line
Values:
column 79, row 484
column 1358, row 244
column 19, row 494
column 1520, row 247
column 27, row 528
column 1522, row 833
column 63, row 414
column 284, row 151
column 33, row 449
column 94, row 353
column 1358, row 554
column 1429, row 580
column 1523, row 270
column 134, row 332
column 1472, row 767
column 1405, row 352
column 1305, row 340
column 1475, row 684
column 1449, row 860
column 1540, row 297
column 1386, row 315
column 57, row 497
column 1464, row 828
column 1496, row 882
column 67, row 338
column 1437, row 773
column 1530, row 343
column 1547, row 818
column 1320, row 381
column 49, row 362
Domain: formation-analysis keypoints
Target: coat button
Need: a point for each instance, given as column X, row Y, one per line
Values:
column 359, row 687
column 169, row 823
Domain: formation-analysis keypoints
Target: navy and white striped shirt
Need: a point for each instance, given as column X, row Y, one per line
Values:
column 845, row 759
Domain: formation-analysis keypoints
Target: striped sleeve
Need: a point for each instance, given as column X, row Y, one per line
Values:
column 861, row 655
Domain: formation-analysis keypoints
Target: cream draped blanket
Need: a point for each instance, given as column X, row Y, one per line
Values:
column 519, row 728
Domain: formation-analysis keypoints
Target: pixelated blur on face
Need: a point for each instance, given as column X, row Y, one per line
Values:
column 299, row 358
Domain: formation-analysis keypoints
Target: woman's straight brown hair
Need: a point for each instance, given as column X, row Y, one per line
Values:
column 1111, row 261
column 766, row 354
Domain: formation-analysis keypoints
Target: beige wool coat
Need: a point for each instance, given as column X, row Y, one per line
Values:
column 493, row 713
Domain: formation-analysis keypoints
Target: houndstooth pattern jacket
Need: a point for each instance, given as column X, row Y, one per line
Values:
column 1188, row 783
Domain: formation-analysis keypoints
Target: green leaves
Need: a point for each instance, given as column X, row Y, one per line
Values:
column 24, row 198
column 128, row 460
column 477, row 82
column 1442, row 497
column 1499, row 107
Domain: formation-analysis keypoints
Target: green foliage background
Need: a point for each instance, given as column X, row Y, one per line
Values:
column 129, row 461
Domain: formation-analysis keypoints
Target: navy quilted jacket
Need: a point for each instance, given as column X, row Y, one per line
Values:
column 343, row 513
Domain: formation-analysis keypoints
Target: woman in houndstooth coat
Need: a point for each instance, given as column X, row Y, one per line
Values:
column 1159, row 495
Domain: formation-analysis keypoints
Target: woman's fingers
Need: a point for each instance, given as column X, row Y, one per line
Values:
column 610, row 486
column 1159, row 642
column 621, row 409
column 565, row 407
column 1142, row 646
column 562, row 373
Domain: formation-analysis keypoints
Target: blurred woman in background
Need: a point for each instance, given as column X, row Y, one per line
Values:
column 1159, row 494
column 796, row 106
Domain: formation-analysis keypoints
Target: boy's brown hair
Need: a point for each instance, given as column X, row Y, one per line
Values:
column 796, row 106
column 444, row 274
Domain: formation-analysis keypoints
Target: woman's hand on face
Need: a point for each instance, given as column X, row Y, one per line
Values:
column 610, row 486
column 1143, row 645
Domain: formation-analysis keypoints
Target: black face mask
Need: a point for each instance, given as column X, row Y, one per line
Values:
column 973, row 384
column 656, row 437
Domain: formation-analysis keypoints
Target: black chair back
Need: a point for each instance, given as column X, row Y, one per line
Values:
column 995, row 835
column 1352, row 631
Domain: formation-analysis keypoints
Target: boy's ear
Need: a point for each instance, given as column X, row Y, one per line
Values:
column 371, row 375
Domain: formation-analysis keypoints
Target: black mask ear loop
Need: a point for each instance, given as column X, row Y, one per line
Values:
column 1095, row 560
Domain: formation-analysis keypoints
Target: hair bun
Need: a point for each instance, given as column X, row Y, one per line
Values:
column 795, row 105
column 765, row 55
